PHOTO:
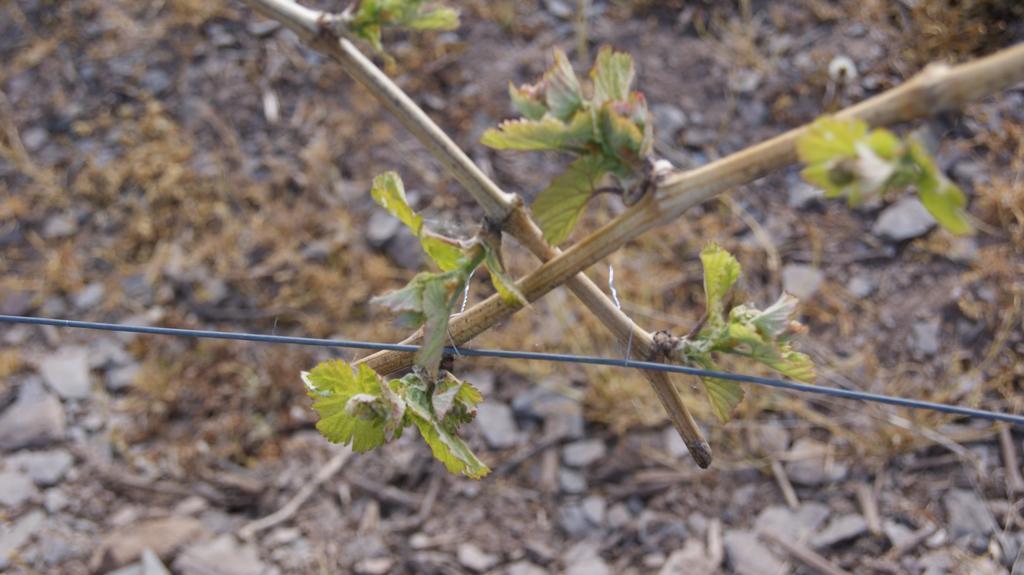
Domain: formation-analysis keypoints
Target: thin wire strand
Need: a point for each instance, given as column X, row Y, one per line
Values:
column 527, row 355
column 618, row 305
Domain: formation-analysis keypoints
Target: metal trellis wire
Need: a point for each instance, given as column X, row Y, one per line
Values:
column 528, row 356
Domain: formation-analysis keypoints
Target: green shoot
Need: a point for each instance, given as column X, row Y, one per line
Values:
column 429, row 298
column 843, row 158
column 758, row 335
column 371, row 16
column 609, row 132
column 359, row 408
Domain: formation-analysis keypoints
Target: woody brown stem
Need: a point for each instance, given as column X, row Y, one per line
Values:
column 500, row 207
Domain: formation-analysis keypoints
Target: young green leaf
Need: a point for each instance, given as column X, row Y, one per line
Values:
column 775, row 319
column 724, row 396
column 744, row 339
column 547, row 133
column 389, row 192
column 611, row 132
column 561, row 88
column 613, row 75
column 445, row 252
column 449, row 449
column 407, row 299
column 829, row 139
column 439, row 294
column 721, row 270
column 373, row 15
column 528, row 101
column 503, row 283
column 428, row 299
column 759, row 335
column 445, row 445
column 844, row 159
column 941, row 197
column 559, row 206
column 440, row 18
column 333, row 385
column 621, row 138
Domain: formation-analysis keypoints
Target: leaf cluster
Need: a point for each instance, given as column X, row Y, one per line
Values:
column 759, row 335
column 357, row 407
column 428, row 299
column 609, row 131
column 367, row 20
column 845, row 159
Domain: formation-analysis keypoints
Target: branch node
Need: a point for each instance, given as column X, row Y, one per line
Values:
column 664, row 343
column 334, row 25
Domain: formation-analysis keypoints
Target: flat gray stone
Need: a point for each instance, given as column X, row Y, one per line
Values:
column 967, row 514
column 381, row 228
column 583, row 558
column 221, row 556
column 475, row 559
column 898, row 533
column 594, row 507
column 60, row 226
column 674, row 444
column 669, row 119
column 89, row 296
column 574, row 522
column 14, row 535
column 773, row 438
column 497, row 425
column 55, row 500
column 16, row 488
column 802, row 194
column 562, row 416
column 404, row 250
column 860, row 286
column 840, row 530
column 163, row 536
column 44, row 467
column 571, row 481
column 904, row 220
column 524, row 567
column 34, row 138
column 589, row 566
column 792, row 525
column 66, row 371
column 749, row 556
column 107, row 353
column 36, row 419
column 58, row 544
column 809, row 466
column 152, row 565
column 122, row 377
column 583, row 453
column 801, row 280
column 692, row 559
column 924, row 336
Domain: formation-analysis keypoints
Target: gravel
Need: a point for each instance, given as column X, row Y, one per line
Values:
column 904, row 220
column 36, row 419
column 583, row 453
column 497, row 425
column 66, row 371
column 802, row 281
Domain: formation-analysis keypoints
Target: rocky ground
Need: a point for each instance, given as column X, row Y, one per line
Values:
column 189, row 164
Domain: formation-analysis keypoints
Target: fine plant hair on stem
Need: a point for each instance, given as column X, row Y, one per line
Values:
column 499, row 206
column 937, row 88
